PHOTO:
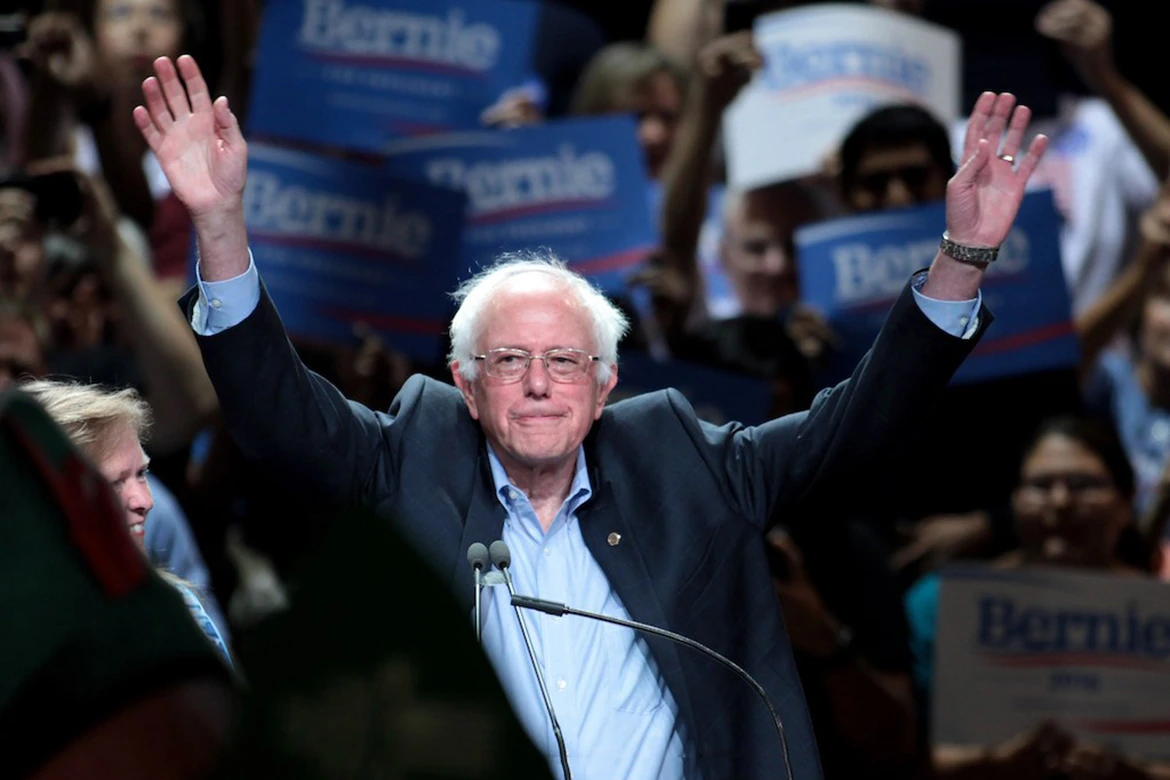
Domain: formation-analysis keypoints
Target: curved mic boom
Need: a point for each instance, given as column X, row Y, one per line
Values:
column 558, row 609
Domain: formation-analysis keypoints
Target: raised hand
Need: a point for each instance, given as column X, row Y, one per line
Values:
column 60, row 48
column 984, row 195
column 197, row 142
column 1084, row 30
column 725, row 65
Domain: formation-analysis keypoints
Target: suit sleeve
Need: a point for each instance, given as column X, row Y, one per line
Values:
column 290, row 420
column 834, row 455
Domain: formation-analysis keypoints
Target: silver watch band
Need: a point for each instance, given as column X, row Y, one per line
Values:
column 974, row 255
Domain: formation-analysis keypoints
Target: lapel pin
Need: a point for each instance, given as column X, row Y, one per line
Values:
column 614, row 538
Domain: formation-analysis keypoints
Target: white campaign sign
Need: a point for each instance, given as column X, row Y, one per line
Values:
column 826, row 66
column 1090, row 651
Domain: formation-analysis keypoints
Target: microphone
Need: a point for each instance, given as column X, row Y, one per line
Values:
column 502, row 558
column 558, row 609
column 477, row 556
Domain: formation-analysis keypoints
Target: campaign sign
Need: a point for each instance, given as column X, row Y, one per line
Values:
column 1019, row 646
column 338, row 244
column 826, row 66
column 853, row 269
column 718, row 396
column 574, row 187
column 354, row 73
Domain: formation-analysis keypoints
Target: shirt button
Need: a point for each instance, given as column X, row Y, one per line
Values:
column 964, row 320
column 561, row 685
column 512, row 494
column 216, row 303
column 547, row 553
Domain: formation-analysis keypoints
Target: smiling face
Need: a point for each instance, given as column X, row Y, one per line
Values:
column 535, row 423
column 124, row 465
column 1068, row 509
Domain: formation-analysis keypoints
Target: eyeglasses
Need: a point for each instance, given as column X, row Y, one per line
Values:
column 562, row 365
column 914, row 177
column 1085, row 487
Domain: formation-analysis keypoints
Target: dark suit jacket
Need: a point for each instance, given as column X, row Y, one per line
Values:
column 689, row 500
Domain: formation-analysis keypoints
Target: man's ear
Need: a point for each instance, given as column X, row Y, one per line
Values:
column 466, row 389
column 605, row 389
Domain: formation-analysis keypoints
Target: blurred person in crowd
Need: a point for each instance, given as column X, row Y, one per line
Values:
column 1073, row 507
column 64, row 251
column 634, row 77
column 1125, row 354
column 1100, row 179
column 626, row 77
column 843, row 610
column 755, row 249
column 85, row 81
column 516, row 441
column 894, row 157
column 105, row 673
column 109, row 426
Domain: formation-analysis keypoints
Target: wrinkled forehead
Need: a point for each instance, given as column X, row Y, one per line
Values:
column 537, row 305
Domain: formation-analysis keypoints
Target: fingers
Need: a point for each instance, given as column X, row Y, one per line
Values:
column 197, row 90
column 146, row 126
column 172, row 88
column 1032, row 158
column 976, row 123
column 975, row 163
column 1015, row 132
column 226, row 122
column 160, row 113
column 998, row 120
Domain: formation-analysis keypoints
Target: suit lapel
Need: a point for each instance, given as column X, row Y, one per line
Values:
column 615, row 545
column 483, row 522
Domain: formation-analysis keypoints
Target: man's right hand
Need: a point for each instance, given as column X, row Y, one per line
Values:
column 197, row 142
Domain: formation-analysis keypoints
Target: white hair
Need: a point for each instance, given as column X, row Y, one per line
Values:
column 475, row 295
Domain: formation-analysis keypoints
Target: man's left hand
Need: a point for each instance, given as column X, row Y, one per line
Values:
column 984, row 195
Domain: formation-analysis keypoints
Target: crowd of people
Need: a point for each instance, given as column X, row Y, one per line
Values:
column 229, row 447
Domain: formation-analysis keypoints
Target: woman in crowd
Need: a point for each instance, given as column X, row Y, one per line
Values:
column 1073, row 508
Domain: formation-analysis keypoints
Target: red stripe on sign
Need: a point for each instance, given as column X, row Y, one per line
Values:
column 613, row 262
column 1025, row 339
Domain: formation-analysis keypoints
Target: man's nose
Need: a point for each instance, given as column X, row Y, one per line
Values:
column 536, row 381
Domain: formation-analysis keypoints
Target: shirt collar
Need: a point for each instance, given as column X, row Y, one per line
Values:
column 580, row 490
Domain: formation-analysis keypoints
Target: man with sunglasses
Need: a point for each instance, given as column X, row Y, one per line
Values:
column 894, row 157
column 636, row 509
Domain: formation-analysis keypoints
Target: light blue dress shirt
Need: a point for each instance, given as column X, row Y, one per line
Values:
column 615, row 711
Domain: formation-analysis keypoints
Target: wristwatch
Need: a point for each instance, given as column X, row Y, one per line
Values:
column 972, row 255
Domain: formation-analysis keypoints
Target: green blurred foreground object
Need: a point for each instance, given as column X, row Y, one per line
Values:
column 372, row 673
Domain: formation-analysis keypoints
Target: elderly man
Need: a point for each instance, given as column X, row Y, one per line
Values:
column 635, row 509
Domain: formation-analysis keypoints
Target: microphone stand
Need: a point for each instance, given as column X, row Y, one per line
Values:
column 477, row 556
column 556, row 727
column 558, row 609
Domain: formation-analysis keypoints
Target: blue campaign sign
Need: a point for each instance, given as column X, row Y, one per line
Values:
column 338, row 244
column 853, row 269
column 353, row 74
column 575, row 187
column 718, row 396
